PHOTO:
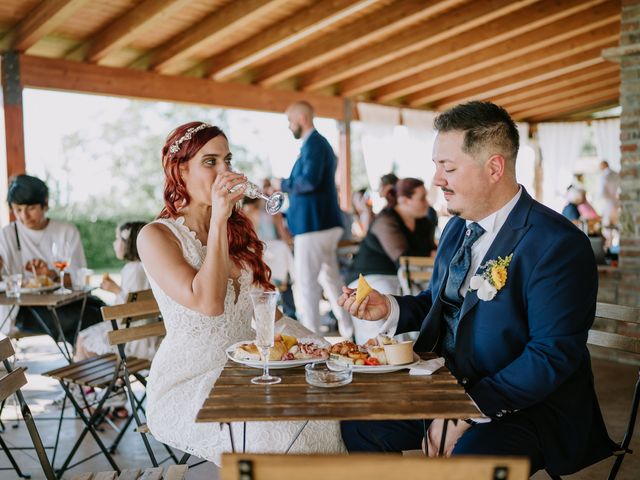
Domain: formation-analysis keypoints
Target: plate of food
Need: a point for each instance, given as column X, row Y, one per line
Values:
column 287, row 352
column 39, row 284
column 378, row 355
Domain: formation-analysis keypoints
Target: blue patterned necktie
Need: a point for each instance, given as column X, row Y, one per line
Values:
column 460, row 263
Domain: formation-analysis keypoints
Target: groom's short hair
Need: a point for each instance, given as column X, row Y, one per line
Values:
column 488, row 128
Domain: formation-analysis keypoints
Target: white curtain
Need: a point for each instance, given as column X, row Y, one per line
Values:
column 378, row 148
column 607, row 137
column 560, row 144
column 525, row 163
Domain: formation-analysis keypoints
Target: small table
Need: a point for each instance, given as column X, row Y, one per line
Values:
column 384, row 396
column 52, row 301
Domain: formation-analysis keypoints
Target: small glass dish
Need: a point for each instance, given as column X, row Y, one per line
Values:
column 325, row 375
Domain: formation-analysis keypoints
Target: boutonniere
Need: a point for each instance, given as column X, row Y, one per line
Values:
column 492, row 278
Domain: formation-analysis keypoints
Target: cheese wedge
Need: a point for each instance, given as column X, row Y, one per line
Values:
column 363, row 289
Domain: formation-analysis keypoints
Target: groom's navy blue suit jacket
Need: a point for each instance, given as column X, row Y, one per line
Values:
column 523, row 355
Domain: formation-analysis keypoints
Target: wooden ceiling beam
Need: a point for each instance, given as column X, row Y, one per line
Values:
column 236, row 15
column 603, row 83
column 562, row 54
column 420, row 36
column 126, row 28
column 277, row 38
column 55, row 74
column 369, row 29
column 573, row 103
column 41, row 21
column 529, row 29
column 576, row 111
column 542, row 88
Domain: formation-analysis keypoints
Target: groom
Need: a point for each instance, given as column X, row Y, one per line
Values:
column 511, row 300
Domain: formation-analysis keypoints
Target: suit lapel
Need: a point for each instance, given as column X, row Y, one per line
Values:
column 505, row 242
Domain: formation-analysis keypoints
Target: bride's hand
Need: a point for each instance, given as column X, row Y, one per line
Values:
column 222, row 198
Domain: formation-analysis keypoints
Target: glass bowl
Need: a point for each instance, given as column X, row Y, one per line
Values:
column 320, row 374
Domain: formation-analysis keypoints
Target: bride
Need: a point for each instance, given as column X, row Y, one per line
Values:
column 202, row 258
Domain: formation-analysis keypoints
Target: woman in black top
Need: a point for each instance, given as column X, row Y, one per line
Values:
column 400, row 229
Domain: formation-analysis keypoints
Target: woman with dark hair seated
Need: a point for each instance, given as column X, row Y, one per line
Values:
column 402, row 228
column 26, row 246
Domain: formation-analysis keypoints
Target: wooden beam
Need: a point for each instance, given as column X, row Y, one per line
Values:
column 563, row 55
column 13, row 114
column 41, row 21
column 600, row 83
column 57, row 74
column 129, row 26
column 417, row 38
column 572, row 104
column 542, row 88
column 369, row 29
column 279, row 37
column 344, row 157
column 529, row 29
column 237, row 15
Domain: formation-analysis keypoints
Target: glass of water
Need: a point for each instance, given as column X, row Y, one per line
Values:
column 264, row 312
column 14, row 285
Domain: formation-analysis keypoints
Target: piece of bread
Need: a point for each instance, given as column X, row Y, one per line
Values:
column 249, row 351
column 363, row 289
column 378, row 352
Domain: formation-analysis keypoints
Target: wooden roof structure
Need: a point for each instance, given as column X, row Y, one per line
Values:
column 541, row 59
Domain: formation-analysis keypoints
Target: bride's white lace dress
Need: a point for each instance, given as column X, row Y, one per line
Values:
column 190, row 360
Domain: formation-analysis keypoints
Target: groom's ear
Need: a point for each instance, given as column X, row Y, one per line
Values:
column 496, row 166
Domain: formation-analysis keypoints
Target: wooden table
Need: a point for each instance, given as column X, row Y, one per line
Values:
column 52, row 301
column 383, row 396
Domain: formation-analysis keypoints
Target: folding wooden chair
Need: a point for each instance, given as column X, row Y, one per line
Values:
column 414, row 270
column 102, row 372
column 10, row 384
column 378, row 466
column 174, row 472
column 609, row 332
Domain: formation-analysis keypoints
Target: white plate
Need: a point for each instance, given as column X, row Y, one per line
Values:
column 273, row 364
column 385, row 368
column 50, row 288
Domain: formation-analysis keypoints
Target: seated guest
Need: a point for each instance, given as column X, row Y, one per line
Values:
column 402, row 228
column 387, row 182
column 510, row 304
column 362, row 213
column 26, row 247
column 570, row 210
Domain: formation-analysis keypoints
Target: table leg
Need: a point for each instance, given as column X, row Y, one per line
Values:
column 8, row 316
column 48, row 331
column 56, row 320
column 443, row 437
column 296, row 436
column 80, row 320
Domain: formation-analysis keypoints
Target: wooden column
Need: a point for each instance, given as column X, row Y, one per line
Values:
column 13, row 114
column 344, row 157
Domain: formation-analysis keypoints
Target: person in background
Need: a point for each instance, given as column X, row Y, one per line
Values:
column 608, row 193
column 402, row 228
column 26, row 247
column 570, row 210
column 362, row 212
column 387, row 182
column 315, row 222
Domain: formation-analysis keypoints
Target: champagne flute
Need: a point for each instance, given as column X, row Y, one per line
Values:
column 61, row 260
column 264, row 309
column 273, row 203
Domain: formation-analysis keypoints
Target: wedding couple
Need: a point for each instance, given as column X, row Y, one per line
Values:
column 521, row 355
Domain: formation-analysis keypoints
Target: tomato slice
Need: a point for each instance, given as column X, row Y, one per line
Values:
column 372, row 361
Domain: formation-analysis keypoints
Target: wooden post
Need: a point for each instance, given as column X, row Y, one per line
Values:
column 13, row 114
column 344, row 157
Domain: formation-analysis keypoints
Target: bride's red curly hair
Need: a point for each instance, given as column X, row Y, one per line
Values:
column 245, row 248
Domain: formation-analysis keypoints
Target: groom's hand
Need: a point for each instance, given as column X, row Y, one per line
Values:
column 375, row 306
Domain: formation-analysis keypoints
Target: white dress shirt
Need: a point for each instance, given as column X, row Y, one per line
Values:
column 492, row 225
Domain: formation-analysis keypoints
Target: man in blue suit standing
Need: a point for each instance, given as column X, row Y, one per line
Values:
column 314, row 221
column 509, row 306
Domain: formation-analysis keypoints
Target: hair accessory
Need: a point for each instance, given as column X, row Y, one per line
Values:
column 125, row 234
column 175, row 146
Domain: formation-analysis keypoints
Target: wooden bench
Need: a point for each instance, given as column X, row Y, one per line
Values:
column 373, row 466
column 174, row 472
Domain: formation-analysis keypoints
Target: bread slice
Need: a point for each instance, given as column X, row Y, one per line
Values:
column 363, row 289
column 249, row 351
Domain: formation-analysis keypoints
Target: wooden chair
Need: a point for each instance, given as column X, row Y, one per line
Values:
column 414, row 270
column 611, row 317
column 103, row 372
column 378, row 466
column 174, row 472
column 10, row 384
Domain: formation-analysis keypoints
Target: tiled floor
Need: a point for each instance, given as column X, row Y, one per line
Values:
column 614, row 382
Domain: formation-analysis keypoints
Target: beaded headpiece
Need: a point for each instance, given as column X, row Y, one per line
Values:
column 175, row 146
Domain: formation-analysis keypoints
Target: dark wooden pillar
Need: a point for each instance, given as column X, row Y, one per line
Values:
column 13, row 114
column 344, row 157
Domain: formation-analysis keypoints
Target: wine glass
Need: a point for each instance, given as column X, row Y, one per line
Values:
column 273, row 203
column 264, row 312
column 61, row 260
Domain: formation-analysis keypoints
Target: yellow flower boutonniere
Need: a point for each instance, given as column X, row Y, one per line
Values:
column 492, row 279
